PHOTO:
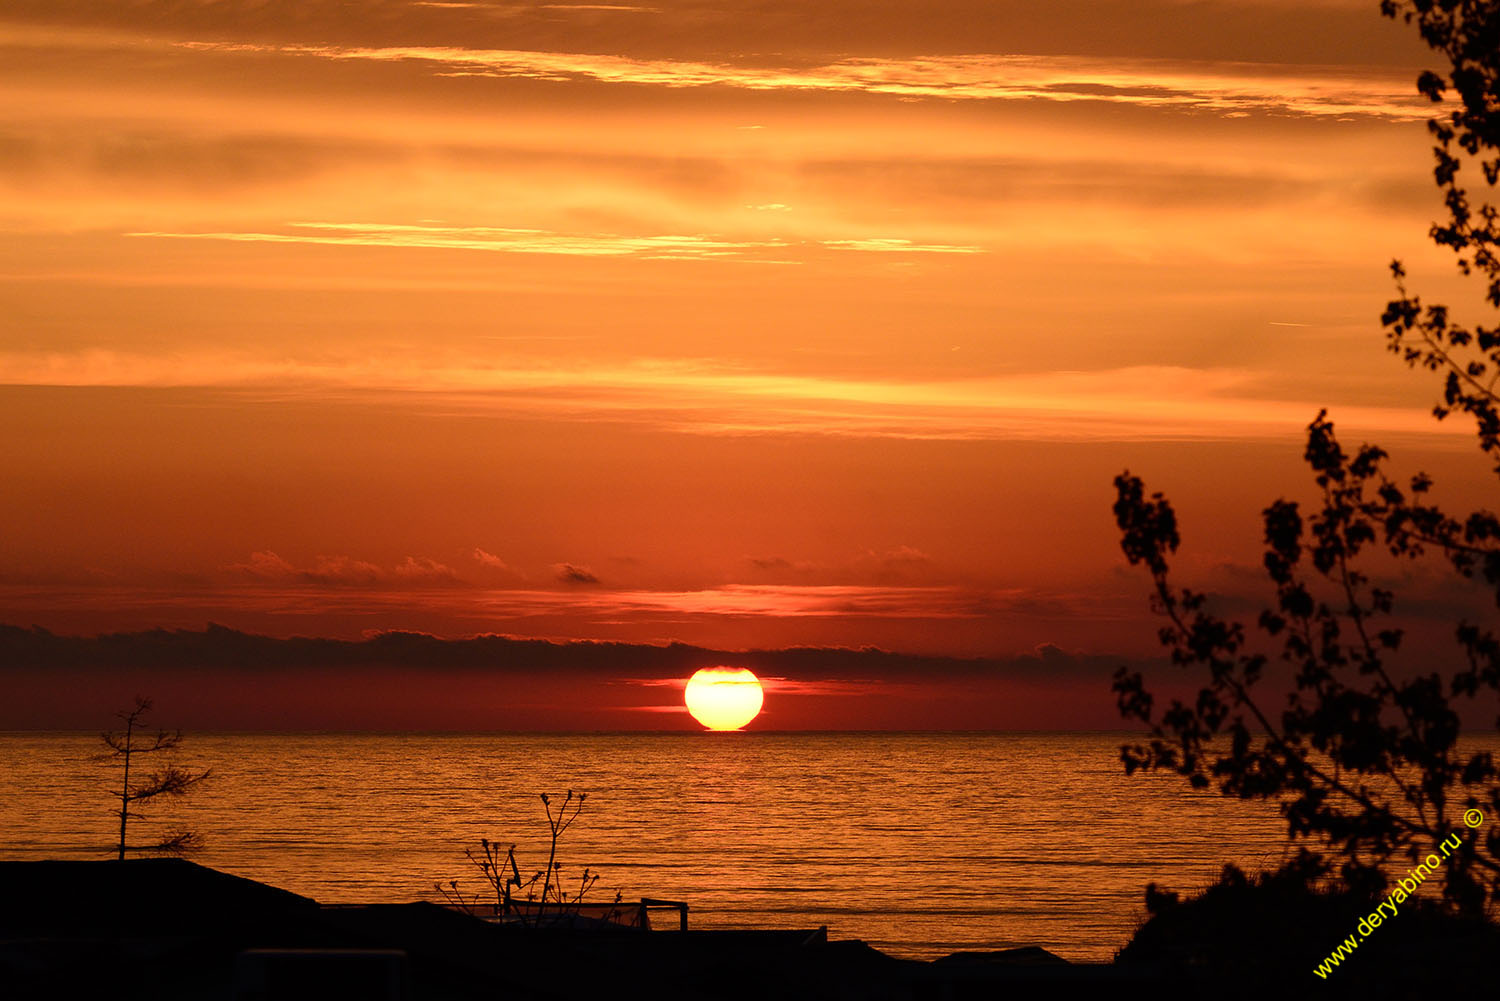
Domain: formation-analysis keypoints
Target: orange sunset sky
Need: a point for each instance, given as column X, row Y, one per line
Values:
column 740, row 324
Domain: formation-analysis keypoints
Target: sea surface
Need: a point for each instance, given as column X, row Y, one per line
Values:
column 921, row 844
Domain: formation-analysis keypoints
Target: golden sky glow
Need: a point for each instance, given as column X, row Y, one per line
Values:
column 744, row 325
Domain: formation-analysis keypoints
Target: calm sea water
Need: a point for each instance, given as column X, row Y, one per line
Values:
column 921, row 844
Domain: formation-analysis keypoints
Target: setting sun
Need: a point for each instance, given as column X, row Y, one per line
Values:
column 724, row 698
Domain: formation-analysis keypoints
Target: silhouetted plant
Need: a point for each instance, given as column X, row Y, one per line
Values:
column 169, row 780
column 1468, row 33
column 1264, row 935
column 557, row 825
column 1361, row 757
column 501, row 872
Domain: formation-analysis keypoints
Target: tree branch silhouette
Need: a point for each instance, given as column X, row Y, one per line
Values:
column 169, row 780
column 1362, row 760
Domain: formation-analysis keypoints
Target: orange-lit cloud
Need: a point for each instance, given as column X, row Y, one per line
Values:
column 1147, row 403
column 490, row 560
column 530, row 241
column 763, row 324
column 1223, row 87
column 974, row 77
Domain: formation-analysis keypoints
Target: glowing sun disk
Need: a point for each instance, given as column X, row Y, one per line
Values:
column 724, row 698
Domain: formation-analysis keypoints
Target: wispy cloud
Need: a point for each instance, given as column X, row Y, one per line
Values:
column 1216, row 87
column 1121, row 404
column 537, row 241
column 887, row 245
column 490, row 560
column 616, row 7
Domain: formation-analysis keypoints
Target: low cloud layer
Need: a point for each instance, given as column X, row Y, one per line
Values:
column 224, row 678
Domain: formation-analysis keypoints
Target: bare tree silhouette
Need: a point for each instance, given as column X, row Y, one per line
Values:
column 169, row 780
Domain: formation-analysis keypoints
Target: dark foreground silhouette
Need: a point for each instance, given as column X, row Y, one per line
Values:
column 168, row 929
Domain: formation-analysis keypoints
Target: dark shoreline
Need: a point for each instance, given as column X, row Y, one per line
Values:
column 168, row 929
